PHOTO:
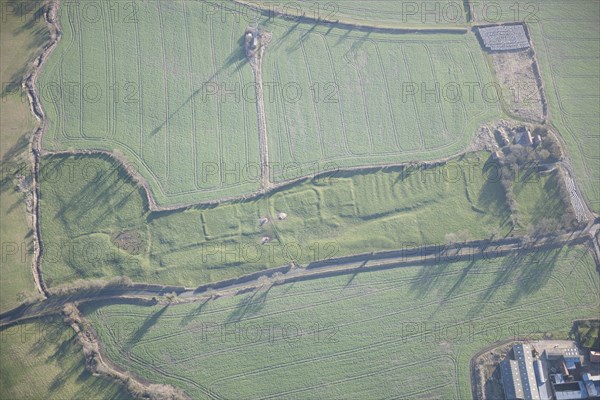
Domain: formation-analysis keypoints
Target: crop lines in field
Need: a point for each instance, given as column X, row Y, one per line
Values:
column 143, row 90
column 376, row 119
column 484, row 294
column 576, row 97
column 161, row 112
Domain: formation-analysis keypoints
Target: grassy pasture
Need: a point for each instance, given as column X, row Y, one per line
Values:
column 406, row 332
column 169, row 88
column 42, row 360
column 146, row 80
column 566, row 36
column 349, row 98
column 22, row 34
column 95, row 222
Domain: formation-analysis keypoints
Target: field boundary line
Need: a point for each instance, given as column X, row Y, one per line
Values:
column 30, row 86
column 348, row 23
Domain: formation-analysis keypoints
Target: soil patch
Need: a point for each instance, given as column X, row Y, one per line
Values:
column 521, row 91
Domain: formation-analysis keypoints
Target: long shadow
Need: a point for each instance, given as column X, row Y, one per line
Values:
column 141, row 331
column 354, row 275
column 237, row 56
column 309, row 31
column 9, row 170
column 526, row 270
column 283, row 37
column 343, row 37
column 16, row 149
column 96, row 191
column 66, row 374
column 428, row 277
column 31, row 13
column 251, row 305
column 194, row 313
column 460, row 280
column 534, row 273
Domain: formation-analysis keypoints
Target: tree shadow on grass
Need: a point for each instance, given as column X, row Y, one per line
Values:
column 150, row 321
column 237, row 56
column 460, row 280
column 30, row 13
column 251, row 305
column 68, row 373
column 534, row 273
column 429, row 276
column 282, row 39
column 526, row 271
column 194, row 313
column 18, row 148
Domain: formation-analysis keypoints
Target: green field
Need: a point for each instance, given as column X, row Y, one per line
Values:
column 42, row 360
column 95, row 223
column 20, row 40
column 566, row 36
column 180, row 105
column 406, row 332
column 136, row 78
column 369, row 98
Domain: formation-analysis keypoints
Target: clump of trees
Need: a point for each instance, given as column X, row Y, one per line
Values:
column 517, row 161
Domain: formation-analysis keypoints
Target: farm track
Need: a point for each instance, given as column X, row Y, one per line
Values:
column 559, row 295
column 281, row 106
column 247, row 148
column 389, row 342
column 81, row 79
column 259, row 192
column 358, row 70
column 263, row 138
column 339, row 102
column 339, row 266
column 138, row 57
column 379, row 372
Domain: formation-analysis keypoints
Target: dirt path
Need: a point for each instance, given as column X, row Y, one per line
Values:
column 401, row 258
column 256, row 60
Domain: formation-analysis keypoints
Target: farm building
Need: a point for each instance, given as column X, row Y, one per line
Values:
column 511, row 379
column 504, row 37
column 542, row 381
column 518, row 377
column 592, row 384
column 523, row 136
column 570, row 391
column 570, row 356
